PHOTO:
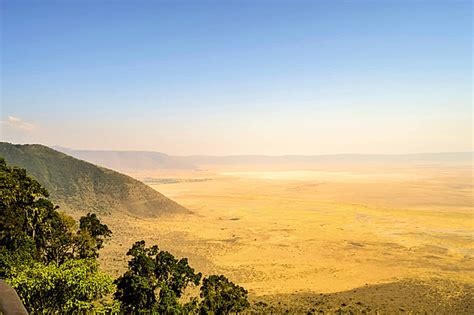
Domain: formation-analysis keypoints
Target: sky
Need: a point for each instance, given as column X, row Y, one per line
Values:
column 238, row 77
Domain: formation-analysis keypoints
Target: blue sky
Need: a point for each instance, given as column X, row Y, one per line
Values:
column 239, row 77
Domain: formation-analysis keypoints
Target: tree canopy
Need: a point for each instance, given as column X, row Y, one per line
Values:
column 155, row 280
column 221, row 296
column 71, row 287
column 43, row 255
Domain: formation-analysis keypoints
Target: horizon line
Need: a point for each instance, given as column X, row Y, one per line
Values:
column 59, row 147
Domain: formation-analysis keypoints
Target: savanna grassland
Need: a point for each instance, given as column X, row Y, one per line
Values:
column 391, row 237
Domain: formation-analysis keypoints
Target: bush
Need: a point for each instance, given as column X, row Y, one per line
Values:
column 70, row 287
column 151, row 272
column 220, row 296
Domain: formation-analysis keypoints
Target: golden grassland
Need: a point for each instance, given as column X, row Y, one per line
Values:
column 321, row 230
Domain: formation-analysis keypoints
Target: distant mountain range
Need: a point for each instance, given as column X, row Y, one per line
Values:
column 76, row 185
column 79, row 186
column 130, row 161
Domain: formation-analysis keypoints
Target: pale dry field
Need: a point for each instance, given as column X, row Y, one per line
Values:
column 322, row 230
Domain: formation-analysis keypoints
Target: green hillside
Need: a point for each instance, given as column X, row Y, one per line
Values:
column 79, row 186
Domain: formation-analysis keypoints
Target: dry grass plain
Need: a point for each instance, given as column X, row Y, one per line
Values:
column 292, row 234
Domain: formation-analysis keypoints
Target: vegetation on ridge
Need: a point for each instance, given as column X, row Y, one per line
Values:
column 79, row 186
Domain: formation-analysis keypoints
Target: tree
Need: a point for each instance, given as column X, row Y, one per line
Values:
column 41, row 248
column 24, row 208
column 70, row 287
column 220, row 296
column 151, row 272
column 136, row 288
column 91, row 236
column 59, row 240
column 29, row 219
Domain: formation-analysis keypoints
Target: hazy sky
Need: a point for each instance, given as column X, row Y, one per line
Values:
column 238, row 77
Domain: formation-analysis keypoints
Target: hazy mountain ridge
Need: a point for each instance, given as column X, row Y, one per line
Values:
column 76, row 185
column 333, row 158
column 130, row 160
column 125, row 161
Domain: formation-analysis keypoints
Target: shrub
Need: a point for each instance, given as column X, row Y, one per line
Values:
column 220, row 296
column 70, row 287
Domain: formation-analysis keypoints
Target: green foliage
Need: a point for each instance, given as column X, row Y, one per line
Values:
column 151, row 272
column 60, row 239
column 9, row 260
column 220, row 296
column 91, row 224
column 41, row 249
column 24, row 210
column 28, row 218
column 73, row 286
column 155, row 281
column 107, row 306
column 91, row 236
